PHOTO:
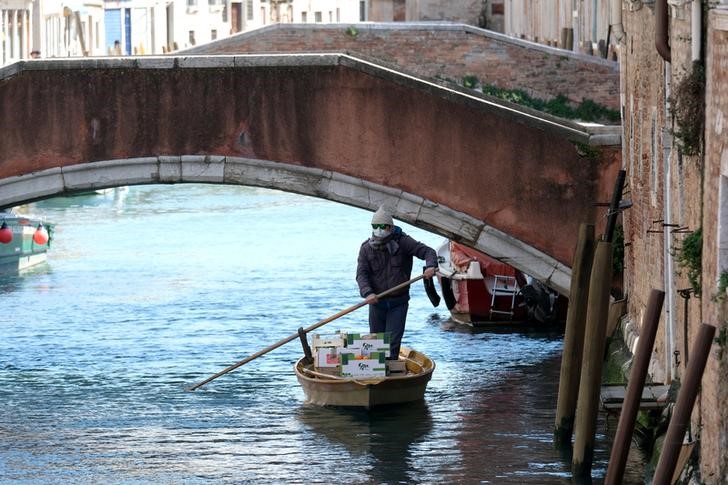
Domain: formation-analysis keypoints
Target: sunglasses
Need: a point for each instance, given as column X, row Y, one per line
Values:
column 380, row 226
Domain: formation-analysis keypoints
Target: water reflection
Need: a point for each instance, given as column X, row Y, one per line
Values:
column 10, row 282
column 93, row 198
column 450, row 325
column 520, row 396
column 386, row 434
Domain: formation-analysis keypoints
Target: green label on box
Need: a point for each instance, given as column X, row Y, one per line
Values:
column 380, row 356
column 385, row 336
column 346, row 357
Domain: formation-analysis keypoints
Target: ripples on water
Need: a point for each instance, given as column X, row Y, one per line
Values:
column 154, row 289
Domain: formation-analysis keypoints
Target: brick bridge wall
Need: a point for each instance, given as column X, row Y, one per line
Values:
column 444, row 51
column 524, row 176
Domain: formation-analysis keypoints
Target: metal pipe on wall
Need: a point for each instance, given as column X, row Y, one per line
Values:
column 696, row 24
column 615, row 16
column 661, row 26
column 667, row 240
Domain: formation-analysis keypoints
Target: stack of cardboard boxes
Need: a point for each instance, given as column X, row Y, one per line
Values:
column 352, row 354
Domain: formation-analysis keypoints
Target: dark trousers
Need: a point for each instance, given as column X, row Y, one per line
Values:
column 389, row 315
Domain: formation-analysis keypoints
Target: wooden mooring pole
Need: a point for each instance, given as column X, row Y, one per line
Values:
column 574, row 336
column 637, row 376
column 684, row 406
column 590, row 380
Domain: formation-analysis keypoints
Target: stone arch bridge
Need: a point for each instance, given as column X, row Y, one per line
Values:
column 508, row 181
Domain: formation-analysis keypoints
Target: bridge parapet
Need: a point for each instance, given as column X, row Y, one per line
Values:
column 443, row 50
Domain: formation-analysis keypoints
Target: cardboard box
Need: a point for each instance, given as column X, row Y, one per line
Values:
column 370, row 346
column 353, row 338
column 326, row 357
column 396, row 367
column 365, row 344
column 336, row 340
column 353, row 365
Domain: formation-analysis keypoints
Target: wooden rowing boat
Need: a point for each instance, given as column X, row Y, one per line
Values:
column 327, row 390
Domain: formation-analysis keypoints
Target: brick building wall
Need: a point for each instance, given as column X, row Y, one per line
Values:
column 643, row 159
column 673, row 195
column 445, row 51
column 462, row 11
column 714, row 399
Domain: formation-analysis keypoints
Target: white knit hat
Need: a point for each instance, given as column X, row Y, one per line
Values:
column 382, row 216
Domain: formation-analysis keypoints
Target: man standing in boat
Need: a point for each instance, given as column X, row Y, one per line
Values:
column 385, row 261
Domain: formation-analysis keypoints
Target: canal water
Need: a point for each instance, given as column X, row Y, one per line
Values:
column 154, row 288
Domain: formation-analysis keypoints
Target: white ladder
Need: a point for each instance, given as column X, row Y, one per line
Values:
column 503, row 286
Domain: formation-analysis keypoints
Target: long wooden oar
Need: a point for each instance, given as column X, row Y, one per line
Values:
column 295, row 335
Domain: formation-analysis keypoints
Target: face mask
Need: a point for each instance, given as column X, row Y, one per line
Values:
column 381, row 233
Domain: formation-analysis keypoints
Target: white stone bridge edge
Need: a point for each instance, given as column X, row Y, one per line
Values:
column 314, row 182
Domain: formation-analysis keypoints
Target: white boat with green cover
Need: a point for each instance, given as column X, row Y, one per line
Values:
column 327, row 390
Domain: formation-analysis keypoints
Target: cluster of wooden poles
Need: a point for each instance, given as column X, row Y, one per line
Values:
column 583, row 355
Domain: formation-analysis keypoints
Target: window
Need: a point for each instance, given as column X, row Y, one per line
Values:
column 249, row 9
column 213, row 34
column 317, row 17
column 338, row 15
column 362, row 11
column 192, row 37
column 191, row 3
column 723, row 222
column 331, row 16
column 304, row 17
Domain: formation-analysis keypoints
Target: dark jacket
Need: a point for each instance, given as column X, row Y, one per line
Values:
column 378, row 270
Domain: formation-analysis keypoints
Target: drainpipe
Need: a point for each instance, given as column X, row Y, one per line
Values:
column 696, row 23
column 669, row 266
column 668, row 262
column 616, row 18
column 661, row 38
column 594, row 36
